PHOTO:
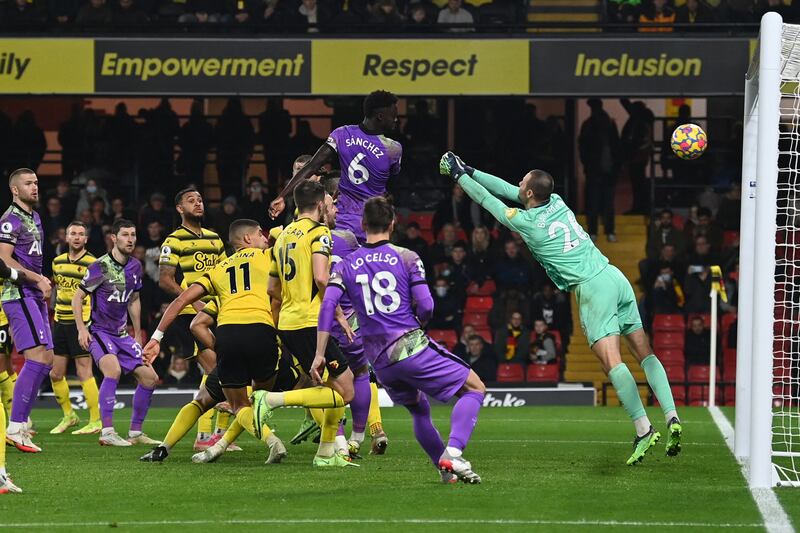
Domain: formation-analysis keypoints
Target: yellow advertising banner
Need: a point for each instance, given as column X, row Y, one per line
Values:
column 46, row 66
column 420, row 67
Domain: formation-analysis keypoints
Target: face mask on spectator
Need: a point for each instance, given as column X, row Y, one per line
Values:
column 441, row 291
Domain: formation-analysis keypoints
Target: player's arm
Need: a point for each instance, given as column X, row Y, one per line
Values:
column 485, row 199
column 167, row 269
column 77, row 311
column 135, row 312
column 324, row 154
column 452, row 165
column 274, row 290
column 327, row 312
column 191, row 295
column 201, row 329
column 10, row 269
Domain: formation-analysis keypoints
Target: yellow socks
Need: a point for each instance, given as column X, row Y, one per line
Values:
column 234, row 430
column 61, row 390
column 2, row 440
column 223, row 421
column 6, row 390
column 92, row 396
column 185, row 420
column 205, row 425
column 245, row 418
column 330, row 427
column 311, row 397
column 318, row 415
column 374, row 420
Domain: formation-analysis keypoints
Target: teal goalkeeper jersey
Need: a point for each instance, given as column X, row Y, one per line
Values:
column 550, row 231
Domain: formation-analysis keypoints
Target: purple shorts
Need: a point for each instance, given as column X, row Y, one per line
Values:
column 353, row 351
column 352, row 222
column 30, row 323
column 434, row 371
column 126, row 349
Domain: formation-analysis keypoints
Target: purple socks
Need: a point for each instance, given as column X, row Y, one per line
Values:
column 464, row 418
column 108, row 397
column 361, row 400
column 27, row 388
column 141, row 404
column 426, row 433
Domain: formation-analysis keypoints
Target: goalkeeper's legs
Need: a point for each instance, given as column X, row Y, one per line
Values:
column 658, row 381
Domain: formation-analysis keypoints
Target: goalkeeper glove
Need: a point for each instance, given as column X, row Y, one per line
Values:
column 451, row 165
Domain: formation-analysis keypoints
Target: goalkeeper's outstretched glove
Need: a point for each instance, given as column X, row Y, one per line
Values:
column 451, row 165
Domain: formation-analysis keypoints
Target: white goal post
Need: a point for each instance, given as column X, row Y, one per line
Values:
column 767, row 427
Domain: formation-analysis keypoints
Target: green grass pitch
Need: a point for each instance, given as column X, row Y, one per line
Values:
column 543, row 469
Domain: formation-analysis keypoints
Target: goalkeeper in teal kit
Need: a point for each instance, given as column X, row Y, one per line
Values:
column 605, row 297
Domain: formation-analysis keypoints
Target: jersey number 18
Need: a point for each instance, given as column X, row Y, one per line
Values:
column 381, row 293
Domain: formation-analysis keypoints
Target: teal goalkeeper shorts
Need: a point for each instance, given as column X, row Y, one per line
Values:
column 607, row 305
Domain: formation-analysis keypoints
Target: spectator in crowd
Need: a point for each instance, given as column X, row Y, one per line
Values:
column 698, row 287
column 697, row 346
column 129, row 14
column 58, row 245
column 481, row 359
column 462, row 346
column 649, row 268
column 245, row 11
column 71, row 141
column 504, row 304
column 666, row 294
column 457, row 270
column 457, row 209
column 448, row 308
column 54, row 216
column 661, row 233
column 274, row 133
column 730, row 209
column 28, row 143
column 543, row 348
column 22, row 13
column 657, row 12
column 205, row 12
column 304, row 141
column 235, row 137
column 481, row 257
column 118, row 210
column 385, row 13
column 255, row 205
column 69, row 200
column 693, row 12
column 154, row 236
column 731, row 280
column 637, row 147
column 155, row 210
column 623, row 11
column 195, row 138
column 454, row 13
column 553, row 307
column 98, row 209
column 63, row 12
column 181, row 374
column 162, row 127
column 312, row 15
column 512, row 341
column 598, row 145
column 419, row 19
column 702, row 255
column 122, row 133
column 95, row 13
column 511, row 271
column 229, row 212
column 413, row 241
column 442, row 249
column 88, row 193
column 704, row 226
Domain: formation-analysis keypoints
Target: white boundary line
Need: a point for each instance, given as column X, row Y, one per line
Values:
column 407, row 521
column 775, row 518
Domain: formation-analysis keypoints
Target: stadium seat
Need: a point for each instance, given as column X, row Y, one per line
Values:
column 672, row 357
column 675, row 373
column 730, row 239
column 425, row 220
column 448, row 337
column 677, row 221
column 488, row 288
column 510, row 373
column 729, row 357
column 728, row 319
column 542, row 373
column 485, row 333
column 477, row 319
column 699, row 374
column 729, row 391
column 427, row 234
column 679, row 394
column 665, row 340
column 479, row 303
column 557, row 337
column 706, row 320
column 663, row 322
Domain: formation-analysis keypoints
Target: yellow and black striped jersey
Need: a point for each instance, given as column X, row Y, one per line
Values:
column 3, row 317
column 291, row 263
column 240, row 284
column 67, row 275
column 192, row 255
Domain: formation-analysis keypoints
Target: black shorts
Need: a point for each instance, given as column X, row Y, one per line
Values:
column 6, row 345
column 245, row 353
column 285, row 379
column 65, row 340
column 181, row 341
column 303, row 345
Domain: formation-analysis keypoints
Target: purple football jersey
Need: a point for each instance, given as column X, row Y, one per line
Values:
column 344, row 243
column 378, row 278
column 24, row 231
column 111, row 285
column 367, row 162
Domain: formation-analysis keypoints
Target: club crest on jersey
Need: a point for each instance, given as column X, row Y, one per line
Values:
column 511, row 212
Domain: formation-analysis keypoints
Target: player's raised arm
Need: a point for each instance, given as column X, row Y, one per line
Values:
column 324, row 154
column 497, row 186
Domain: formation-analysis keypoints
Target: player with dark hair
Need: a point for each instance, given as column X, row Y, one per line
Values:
column 386, row 286
column 187, row 254
column 68, row 271
column 608, row 307
column 367, row 159
column 114, row 282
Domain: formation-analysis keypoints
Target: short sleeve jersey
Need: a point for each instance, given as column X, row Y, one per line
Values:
column 67, row 275
column 24, row 231
column 291, row 263
column 211, row 309
column 379, row 278
column 192, row 255
column 240, row 284
column 367, row 162
column 111, row 285
column 344, row 243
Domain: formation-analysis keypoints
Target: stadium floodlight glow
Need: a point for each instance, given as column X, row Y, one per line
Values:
column 768, row 356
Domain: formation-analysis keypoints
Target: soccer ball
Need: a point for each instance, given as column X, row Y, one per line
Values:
column 689, row 141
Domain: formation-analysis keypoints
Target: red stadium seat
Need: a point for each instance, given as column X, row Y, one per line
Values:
column 729, row 357
column 728, row 319
column 425, row 220
column 427, row 234
column 510, row 373
column 479, row 303
column 663, row 340
column 477, row 319
column 485, row 333
column 675, row 373
column 668, row 323
column 698, row 394
column 679, row 394
column 677, row 221
column 542, row 373
column 730, row 239
column 729, row 391
column 671, row 357
column 448, row 337
column 487, row 289
column 706, row 320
